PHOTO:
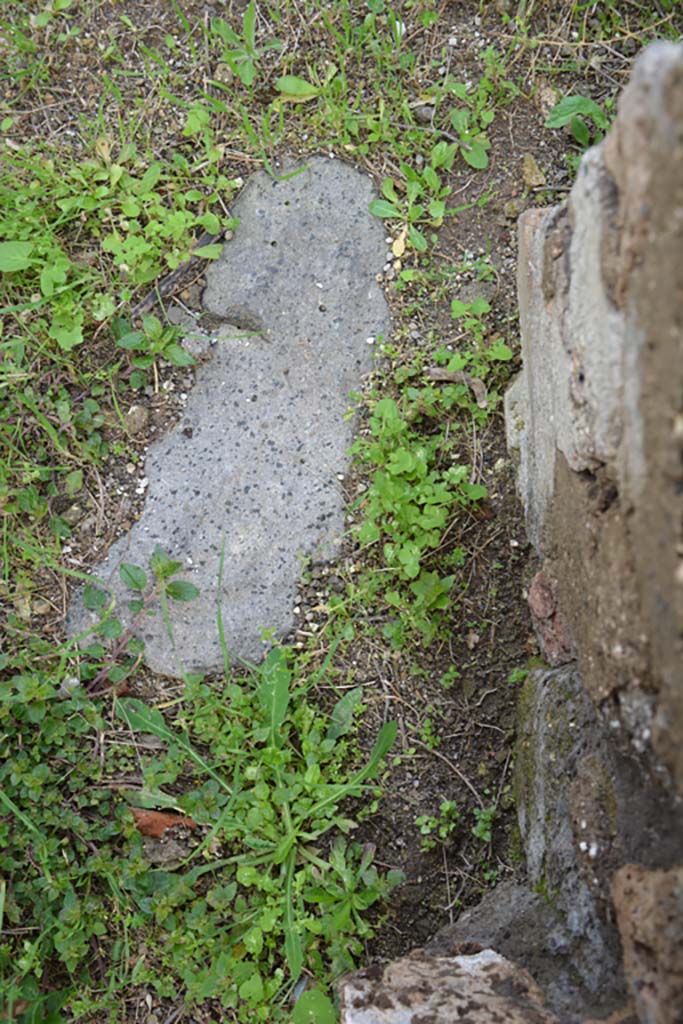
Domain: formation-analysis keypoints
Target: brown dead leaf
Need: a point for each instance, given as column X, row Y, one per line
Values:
column 531, row 172
column 545, row 97
column 472, row 639
column 155, row 823
column 103, row 149
column 398, row 246
column 439, row 373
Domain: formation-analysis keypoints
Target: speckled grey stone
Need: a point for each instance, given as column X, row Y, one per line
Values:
column 254, row 462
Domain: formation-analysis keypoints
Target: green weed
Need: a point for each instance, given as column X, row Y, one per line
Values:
column 482, row 828
column 263, row 896
column 437, row 829
column 240, row 51
column 586, row 119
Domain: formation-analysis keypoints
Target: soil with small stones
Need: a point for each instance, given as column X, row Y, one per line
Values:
column 456, row 729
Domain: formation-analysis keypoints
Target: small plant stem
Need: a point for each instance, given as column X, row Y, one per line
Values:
column 453, row 768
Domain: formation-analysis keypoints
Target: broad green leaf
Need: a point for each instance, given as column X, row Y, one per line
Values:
column 227, row 34
column 401, row 461
column 15, row 256
column 249, row 26
column 110, row 628
column 479, row 306
column 341, row 718
column 131, row 340
column 140, row 717
column 499, row 352
column 437, row 209
column 414, row 189
column 150, row 799
column 314, row 1007
column 273, row 692
column 382, row 208
column 383, row 744
column 93, row 597
column 409, row 557
column 369, row 532
column 180, row 590
column 417, row 239
column 443, row 154
column 458, row 89
column 161, row 564
column 177, row 355
column 580, row 132
column 568, row 108
column 210, row 222
column 460, row 119
column 291, row 86
column 103, row 307
column 73, row 481
column 431, row 178
column 54, row 273
column 253, row 940
column 133, row 576
column 476, row 156
column 389, row 190
column 149, row 178
column 209, row 252
column 251, row 990
column 67, row 330
column 475, row 492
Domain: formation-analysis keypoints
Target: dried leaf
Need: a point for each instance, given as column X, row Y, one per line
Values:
column 398, row 246
column 472, row 639
column 531, row 172
column 155, row 823
column 439, row 373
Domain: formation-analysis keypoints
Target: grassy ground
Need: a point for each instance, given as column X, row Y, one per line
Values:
column 353, row 793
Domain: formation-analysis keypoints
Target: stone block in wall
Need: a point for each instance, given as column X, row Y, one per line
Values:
column 525, row 927
column 478, row 987
column 584, row 810
column 649, row 908
column 596, row 417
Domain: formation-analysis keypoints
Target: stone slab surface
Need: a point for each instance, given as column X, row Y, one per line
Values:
column 480, row 988
column 254, row 464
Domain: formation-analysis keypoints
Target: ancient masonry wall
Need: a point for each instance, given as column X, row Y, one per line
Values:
column 596, row 422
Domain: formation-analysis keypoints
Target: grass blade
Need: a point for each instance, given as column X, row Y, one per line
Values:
column 141, row 718
column 293, row 948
